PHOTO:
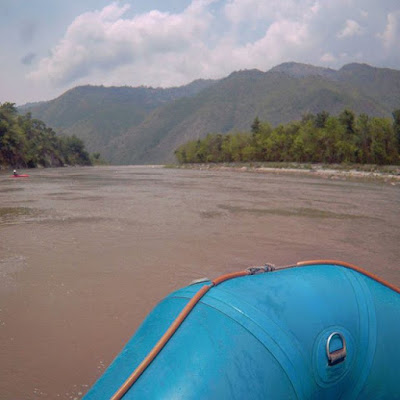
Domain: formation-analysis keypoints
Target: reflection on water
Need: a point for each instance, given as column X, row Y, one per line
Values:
column 294, row 212
column 85, row 253
column 14, row 214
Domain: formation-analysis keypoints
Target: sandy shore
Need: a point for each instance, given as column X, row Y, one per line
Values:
column 385, row 174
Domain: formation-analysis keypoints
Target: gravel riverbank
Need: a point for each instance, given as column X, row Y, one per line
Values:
column 385, row 174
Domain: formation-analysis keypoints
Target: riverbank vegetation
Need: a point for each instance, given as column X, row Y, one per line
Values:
column 320, row 138
column 26, row 142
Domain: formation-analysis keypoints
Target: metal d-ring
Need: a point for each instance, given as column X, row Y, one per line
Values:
column 339, row 355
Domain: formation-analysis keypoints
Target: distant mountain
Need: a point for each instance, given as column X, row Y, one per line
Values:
column 299, row 70
column 382, row 84
column 97, row 114
column 145, row 125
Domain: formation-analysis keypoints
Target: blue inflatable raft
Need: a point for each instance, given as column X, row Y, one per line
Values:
column 316, row 330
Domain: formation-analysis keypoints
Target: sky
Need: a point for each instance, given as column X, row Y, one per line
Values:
column 50, row 46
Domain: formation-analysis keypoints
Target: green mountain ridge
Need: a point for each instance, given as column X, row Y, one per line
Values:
column 145, row 125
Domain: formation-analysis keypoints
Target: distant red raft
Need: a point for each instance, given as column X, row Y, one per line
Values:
column 20, row 176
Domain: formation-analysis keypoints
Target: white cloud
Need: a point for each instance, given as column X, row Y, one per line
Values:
column 284, row 39
column 238, row 11
column 211, row 38
column 352, row 28
column 391, row 36
column 102, row 41
column 328, row 58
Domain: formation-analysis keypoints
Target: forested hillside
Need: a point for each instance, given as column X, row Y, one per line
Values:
column 26, row 142
column 98, row 114
column 319, row 138
column 144, row 125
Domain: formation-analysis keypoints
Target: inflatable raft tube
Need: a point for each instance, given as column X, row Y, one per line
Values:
column 327, row 330
column 19, row 176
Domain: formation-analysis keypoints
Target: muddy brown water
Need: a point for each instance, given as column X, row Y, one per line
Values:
column 86, row 253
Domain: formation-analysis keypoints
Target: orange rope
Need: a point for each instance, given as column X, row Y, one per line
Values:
column 350, row 266
column 170, row 331
column 232, row 275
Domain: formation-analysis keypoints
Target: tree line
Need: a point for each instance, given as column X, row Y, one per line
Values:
column 26, row 142
column 319, row 138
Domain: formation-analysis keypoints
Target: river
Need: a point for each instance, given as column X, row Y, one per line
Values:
column 86, row 253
